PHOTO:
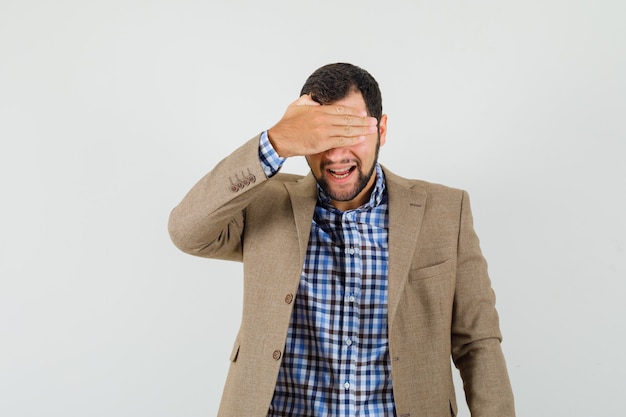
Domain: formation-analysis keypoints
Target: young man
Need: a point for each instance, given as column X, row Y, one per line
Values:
column 358, row 284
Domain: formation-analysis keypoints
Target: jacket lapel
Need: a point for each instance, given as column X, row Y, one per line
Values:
column 406, row 212
column 303, row 195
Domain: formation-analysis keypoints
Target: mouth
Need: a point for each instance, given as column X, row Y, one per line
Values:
column 341, row 173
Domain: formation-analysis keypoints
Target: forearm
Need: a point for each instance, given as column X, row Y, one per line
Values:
column 209, row 220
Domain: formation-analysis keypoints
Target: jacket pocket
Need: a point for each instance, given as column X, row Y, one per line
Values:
column 431, row 271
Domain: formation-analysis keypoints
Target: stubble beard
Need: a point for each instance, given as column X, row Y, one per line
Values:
column 350, row 194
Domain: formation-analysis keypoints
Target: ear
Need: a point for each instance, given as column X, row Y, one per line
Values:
column 382, row 129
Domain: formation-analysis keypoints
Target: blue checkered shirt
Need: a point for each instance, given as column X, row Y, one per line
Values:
column 336, row 360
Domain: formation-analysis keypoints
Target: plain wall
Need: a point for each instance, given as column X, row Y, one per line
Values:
column 111, row 110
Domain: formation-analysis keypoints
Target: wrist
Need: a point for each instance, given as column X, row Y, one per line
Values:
column 274, row 138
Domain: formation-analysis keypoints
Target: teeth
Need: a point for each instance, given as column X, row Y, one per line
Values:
column 340, row 174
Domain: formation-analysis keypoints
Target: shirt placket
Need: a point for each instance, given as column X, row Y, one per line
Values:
column 351, row 301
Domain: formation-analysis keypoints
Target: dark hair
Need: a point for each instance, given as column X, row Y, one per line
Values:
column 333, row 82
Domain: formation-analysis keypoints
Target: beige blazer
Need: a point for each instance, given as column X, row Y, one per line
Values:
column 440, row 299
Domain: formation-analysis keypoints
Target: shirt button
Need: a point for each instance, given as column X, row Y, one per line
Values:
column 351, row 298
column 346, row 385
column 349, row 342
column 351, row 251
column 276, row 355
column 289, row 298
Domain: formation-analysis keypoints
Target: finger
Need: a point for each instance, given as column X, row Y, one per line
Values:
column 351, row 131
column 352, row 120
column 341, row 110
column 347, row 141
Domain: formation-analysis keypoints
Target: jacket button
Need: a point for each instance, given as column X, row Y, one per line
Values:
column 289, row 298
column 276, row 355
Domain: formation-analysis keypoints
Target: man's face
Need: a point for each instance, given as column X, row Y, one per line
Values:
column 347, row 175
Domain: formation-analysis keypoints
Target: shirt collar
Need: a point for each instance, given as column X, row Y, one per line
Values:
column 376, row 198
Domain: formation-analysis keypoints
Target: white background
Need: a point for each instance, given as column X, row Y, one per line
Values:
column 111, row 110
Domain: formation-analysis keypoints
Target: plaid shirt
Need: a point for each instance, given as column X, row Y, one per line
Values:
column 336, row 359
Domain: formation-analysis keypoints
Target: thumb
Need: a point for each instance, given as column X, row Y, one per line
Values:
column 305, row 100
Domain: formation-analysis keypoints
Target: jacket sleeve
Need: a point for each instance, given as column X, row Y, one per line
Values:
column 476, row 336
column 209, row 221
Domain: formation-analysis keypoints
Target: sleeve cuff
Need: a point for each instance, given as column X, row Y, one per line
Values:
column 271, row 162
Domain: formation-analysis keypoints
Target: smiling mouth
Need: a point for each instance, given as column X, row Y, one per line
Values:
column 341, row 173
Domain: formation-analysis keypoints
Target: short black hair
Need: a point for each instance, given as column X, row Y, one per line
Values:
column 333, row 82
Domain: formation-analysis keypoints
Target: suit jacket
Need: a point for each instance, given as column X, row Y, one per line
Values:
column 440, row 299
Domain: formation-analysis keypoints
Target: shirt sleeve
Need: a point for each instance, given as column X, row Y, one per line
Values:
column 269, row 158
